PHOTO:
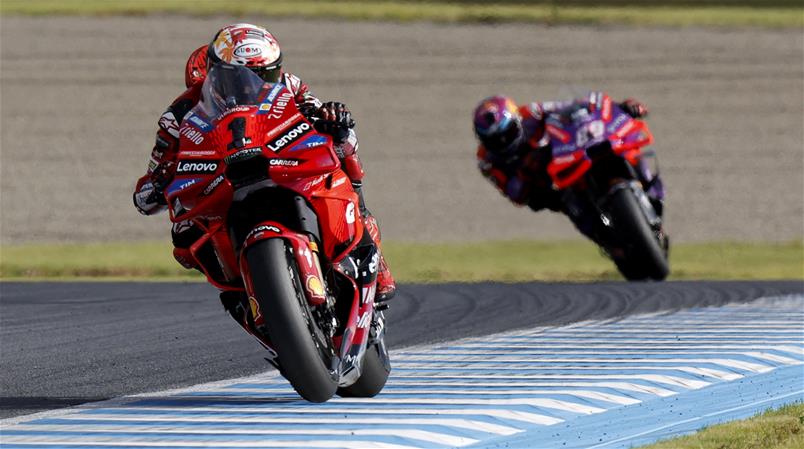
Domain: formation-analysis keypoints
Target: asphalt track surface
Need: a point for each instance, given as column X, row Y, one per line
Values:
column 81, row 97
column 64, row 344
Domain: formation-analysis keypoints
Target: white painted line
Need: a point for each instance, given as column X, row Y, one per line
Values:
column 596, row 351
column 707, row 372
column 97, row 440
column 773, row 358
column 557, row 347
column 662, row 379
column 478, row 426
column 587, row 394
column 661, row 392
column 533, row 402
column 607, row 397
column 414, row 434
column 514, row 415
column 626, row 330
column 475, row 362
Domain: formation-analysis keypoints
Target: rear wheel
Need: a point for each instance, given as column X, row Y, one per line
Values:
column 645, row 257
column 305, row 353
column 373, row 376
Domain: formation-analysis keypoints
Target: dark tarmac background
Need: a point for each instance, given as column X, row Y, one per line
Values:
column 81, row 97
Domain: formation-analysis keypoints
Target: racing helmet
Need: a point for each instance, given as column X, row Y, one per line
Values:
column 247, row 45
column 498, row 125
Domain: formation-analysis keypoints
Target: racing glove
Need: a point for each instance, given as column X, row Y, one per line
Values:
column 160, row 178
column 634, row 108
column 334, row 119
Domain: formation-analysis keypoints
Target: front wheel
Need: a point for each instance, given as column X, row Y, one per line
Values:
column 373, row 375
column 645, row 258
column 304, row 352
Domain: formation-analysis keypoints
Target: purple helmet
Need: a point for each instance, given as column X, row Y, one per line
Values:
column 498, row 125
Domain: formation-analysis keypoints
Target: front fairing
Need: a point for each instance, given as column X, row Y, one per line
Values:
column 220, row 136
column 579, row 128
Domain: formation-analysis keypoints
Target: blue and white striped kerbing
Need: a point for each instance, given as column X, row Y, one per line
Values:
column 603, row 384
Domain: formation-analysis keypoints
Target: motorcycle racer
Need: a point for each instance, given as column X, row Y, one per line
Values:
column 515, row 149
column 257, row 49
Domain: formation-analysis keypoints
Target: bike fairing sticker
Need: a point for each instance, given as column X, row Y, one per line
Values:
column 295, row 132
column 199, row 122
column 309, row 142
column 197, row 166
column 265, row 106
column 181, row 184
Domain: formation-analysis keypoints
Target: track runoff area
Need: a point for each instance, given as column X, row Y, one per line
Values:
column 595, row 384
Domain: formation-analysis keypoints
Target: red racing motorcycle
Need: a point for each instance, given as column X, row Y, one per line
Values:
column 280, row 220
column 611, row 195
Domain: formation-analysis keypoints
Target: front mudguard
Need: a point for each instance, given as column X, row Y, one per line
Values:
column 305, row 253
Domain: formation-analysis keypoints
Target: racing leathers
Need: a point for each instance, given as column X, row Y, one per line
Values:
column 148, row 197
column 522, row 176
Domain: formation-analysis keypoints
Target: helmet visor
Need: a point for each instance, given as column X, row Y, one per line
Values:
column 268, row 74
column 505, row 140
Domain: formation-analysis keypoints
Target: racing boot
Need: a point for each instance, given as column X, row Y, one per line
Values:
column 386, row 287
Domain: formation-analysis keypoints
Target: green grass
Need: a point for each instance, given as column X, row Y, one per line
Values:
column 508, row 261
column 772, row 14
column 776, row 429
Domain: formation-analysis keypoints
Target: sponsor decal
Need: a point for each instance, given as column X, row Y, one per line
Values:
column 277, row 108
column 622, row 132
column 197, row 166
column 338, row 182
column 281, row 127
column 308, row 256
column 168, row 122
column 350, row 213
column 152, row 165
column 294, row 133
column 605, row 109
column 619, row 121
column 375, row 259
column 212, row 185
column 265, row 107
column 283, row 162
column 248, row 51
column 262, row 228
column 310, row 142
column 199, row 122
column 235, row 109
column 192, row 134
column 364, row 320
column 181, row 184
column 198, row 153
column 243, row 155
column 254, row 306
column 315, row 287
column 558, row 149
column 558, row 133
column 564, row 159
column 314, row 182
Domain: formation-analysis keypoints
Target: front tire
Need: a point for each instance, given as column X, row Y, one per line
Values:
column 291, row 327
column 644, row 257
column 373, row 376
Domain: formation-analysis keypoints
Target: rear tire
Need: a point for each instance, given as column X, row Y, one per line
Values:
column 288, row 319
column 644, row 257
column 372, row 377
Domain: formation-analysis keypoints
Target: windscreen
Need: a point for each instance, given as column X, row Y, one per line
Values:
column 228, row 86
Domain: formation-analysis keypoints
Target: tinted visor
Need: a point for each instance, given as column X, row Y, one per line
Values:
column 503, row 141
column 268, row 74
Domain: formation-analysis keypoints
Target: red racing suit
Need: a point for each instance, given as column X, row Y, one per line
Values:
column 166, row 148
